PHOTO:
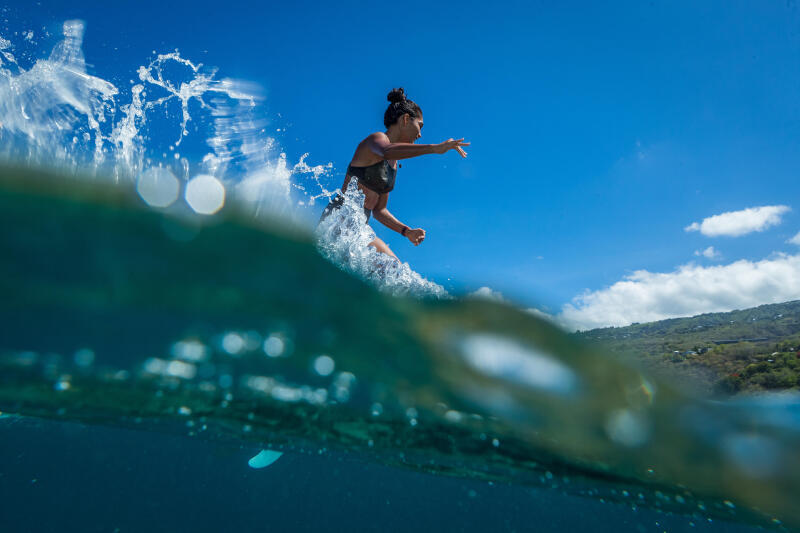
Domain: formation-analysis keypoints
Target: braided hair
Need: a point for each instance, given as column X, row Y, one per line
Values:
column 399, row 106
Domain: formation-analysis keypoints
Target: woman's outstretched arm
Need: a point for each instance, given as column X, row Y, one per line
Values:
column 379, row 145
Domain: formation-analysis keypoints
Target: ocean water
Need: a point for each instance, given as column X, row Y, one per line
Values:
column 99, row 479
column 170, row 310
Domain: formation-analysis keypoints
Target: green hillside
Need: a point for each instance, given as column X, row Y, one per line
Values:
column 747, row 350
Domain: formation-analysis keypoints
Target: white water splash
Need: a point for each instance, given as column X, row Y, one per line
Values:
column 54, row 112
column 57, row 114
column 344, row 236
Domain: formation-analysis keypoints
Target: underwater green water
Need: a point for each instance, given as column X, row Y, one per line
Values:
column 238, row 332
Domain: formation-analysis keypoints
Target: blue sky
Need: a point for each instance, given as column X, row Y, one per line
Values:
column 598, row 133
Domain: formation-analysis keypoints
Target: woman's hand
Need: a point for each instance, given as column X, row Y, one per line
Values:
column 416, row 236
column 451, row 144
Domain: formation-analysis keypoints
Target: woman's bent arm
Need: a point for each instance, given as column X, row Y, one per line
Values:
column 383, row 216
column 379, row 145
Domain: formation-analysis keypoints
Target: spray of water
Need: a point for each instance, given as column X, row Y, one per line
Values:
column 57, row 114
column 343, row 237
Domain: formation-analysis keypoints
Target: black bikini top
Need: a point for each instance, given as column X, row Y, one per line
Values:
column 378, row 177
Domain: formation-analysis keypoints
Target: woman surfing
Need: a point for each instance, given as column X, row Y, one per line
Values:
column 374, row 165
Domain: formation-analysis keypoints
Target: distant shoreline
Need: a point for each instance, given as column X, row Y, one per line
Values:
column 747, row 351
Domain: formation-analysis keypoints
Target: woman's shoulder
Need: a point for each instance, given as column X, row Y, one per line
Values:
column 378, row 135
column 368, row 149
column 377, row 139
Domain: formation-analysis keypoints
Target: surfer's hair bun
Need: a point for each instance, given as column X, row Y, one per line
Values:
column 396, row 95
column 400, row 105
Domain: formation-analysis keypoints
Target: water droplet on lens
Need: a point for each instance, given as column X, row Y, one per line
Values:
column 628, row 428
column 233, row 343
column 512, row 361
column 190, row 350
column 274, row 346
column 205, row 194
column 324, row 365
column 158, row 187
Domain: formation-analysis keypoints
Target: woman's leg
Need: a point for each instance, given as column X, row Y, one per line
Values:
column 381, row 246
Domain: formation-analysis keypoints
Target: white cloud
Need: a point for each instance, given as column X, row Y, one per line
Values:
column 795, row 239
column 544, row 315
column 690, row 290
column 486, row 293
column 737, row 223
column 708, row 253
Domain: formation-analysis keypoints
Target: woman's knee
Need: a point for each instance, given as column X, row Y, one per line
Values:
column 382, row 247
